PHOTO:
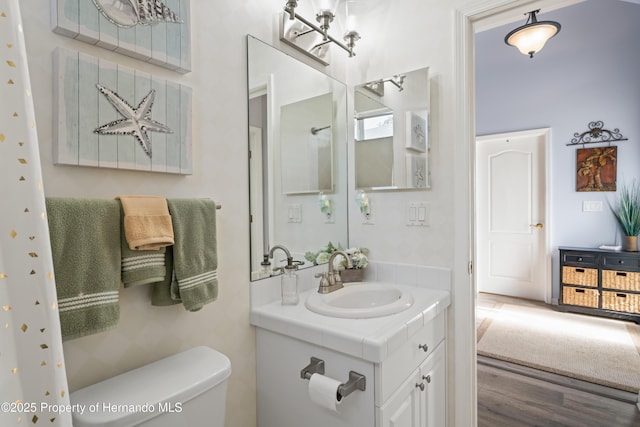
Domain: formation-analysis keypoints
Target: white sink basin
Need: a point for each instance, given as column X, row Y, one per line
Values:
column 361, row 300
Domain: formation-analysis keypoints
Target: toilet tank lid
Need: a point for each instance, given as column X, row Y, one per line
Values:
column 177, row 378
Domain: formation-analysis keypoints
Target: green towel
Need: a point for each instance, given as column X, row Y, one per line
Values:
column 85, row 244
column 161, row 293
column 140, row 267
column 195, row 256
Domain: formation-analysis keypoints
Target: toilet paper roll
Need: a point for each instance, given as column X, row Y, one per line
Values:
column 323, row 391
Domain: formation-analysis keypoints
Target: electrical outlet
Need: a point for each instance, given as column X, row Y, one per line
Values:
column 328, row 217
column 367, row 218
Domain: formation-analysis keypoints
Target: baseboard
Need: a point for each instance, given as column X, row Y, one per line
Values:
column 612, row 393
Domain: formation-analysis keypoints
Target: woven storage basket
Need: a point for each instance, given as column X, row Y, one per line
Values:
column 580, row 296
column 580, row 276
column 624, row 280
column 620, row 301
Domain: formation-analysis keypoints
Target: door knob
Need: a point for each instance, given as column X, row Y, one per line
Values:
column 539, row 226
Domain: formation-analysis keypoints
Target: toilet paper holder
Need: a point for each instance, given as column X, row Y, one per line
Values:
column 356, row 381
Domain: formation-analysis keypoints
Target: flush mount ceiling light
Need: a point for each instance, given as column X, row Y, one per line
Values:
column 315, row 40
column 532, row 36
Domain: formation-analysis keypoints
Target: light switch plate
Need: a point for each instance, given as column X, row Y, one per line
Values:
column 294, row 214
column 592, row 206
column 418, row 214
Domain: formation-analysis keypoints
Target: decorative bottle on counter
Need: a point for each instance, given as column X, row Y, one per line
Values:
column 289, row 284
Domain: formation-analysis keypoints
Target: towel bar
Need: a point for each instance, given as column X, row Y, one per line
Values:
column 218, row 206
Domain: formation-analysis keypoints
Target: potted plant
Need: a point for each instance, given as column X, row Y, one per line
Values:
column 322, row 256
column 358, row 257
column 359, row 262
column 627, row 212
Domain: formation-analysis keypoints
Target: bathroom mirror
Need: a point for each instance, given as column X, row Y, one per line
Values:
column 306, row 141
column 391, row 118
column 298, row 157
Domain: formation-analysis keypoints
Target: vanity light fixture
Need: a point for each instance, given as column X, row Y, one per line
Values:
column 377, row 86
column 532, row 36
column 312, row 39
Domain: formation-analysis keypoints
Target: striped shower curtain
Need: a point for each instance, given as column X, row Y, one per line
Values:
column 33, row 385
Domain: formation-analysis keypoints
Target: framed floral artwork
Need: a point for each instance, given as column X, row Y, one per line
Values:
column 596, row 169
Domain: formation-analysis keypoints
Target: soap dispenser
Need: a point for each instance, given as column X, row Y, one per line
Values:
column 265, row 267
column 289, row 285
column 289, row 277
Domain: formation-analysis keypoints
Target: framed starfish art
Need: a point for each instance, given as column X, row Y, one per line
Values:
column 112, row 116
column 155, row 31
column 417, row 171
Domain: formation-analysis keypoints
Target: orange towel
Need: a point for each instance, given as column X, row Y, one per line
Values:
column 147, row 222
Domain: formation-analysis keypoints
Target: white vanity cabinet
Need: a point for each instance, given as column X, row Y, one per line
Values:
column 421, row 400
column 402, row 356
column 405, row 389
column 411, row 390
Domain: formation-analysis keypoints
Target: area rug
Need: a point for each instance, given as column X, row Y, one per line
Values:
column 594, row 349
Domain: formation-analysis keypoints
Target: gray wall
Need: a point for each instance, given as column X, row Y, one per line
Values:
column 590, row 71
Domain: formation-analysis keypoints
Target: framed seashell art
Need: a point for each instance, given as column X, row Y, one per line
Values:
column 154, row 31
column 110, row 116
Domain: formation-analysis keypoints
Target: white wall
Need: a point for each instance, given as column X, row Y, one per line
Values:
column 403, row 36
column 146, row 333
column 588, row 72
column 397, row 36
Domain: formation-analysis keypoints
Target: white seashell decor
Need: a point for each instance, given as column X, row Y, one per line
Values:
column 128, row 13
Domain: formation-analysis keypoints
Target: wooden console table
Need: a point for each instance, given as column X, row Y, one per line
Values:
column 600, row 282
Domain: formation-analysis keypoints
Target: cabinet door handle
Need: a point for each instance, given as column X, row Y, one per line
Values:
column 423, row 347
column 420, row 386
column 427, row 378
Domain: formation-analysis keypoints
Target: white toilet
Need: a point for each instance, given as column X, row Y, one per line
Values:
column 187, row 389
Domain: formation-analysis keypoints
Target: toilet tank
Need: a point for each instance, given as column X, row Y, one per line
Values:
column 186, row 389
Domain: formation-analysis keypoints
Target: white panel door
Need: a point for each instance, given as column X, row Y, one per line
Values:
column 510, row 252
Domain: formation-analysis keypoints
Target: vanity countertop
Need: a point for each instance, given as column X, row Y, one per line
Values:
column 369, row 339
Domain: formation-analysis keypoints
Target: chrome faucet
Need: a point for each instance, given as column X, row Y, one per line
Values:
column 291, row 263
column 331, row 280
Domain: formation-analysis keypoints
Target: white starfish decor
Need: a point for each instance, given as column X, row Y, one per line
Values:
column 136, row 122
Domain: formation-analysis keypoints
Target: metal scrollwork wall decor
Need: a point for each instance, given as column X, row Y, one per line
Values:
column 596, row 134
column 596, row 168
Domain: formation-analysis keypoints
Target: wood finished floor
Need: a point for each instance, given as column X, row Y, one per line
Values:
column 509, row 398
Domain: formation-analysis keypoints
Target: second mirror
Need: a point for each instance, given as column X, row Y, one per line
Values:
column 392, row 132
